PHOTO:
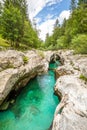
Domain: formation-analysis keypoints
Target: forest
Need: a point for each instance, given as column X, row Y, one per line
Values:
column 15, row 26
column 72, row 34
column 17, row 31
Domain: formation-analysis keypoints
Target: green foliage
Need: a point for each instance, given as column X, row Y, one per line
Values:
column 73, row 4
column 12, row 25
column 83, row 77
column 24, row 47
column 82, row 2
column 77, row 23
column 16, row 27
column 49, row 41
column 30, row 37
column 10, row 65
column 61, row 42
column 20, row 4
column 72, row 34
column 79, row 43
column 3, row 43
column 0, row 8
column 25, row 59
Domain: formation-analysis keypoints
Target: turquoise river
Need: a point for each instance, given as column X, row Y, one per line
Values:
column 34, row 107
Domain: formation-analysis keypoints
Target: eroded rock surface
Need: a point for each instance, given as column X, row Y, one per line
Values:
column 17, row 68
column 71, row 113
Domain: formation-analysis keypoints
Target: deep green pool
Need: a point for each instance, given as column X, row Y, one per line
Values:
column 34, row 108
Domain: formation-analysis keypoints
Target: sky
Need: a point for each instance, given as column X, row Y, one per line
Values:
column 45, row 13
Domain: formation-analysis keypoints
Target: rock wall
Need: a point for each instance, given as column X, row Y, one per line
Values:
column 17, row 68
column 71, row 113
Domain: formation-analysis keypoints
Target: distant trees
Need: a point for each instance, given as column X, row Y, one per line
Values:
column 0, row 15
column 71, row 33
column 16, row 27
column 0, row 8
column 73, row 5
column 79, row 43
column 82, row 2
column 30, row 37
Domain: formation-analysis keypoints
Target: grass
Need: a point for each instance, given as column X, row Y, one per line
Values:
column 83, row 77
column 25, row 59
column 23, row 47
column 3, row 43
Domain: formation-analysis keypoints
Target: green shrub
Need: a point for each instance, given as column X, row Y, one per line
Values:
column 83, row 77
column 3, row 43
column 25, row 59
column 61, row 42
column 10, row 65
column 79, row 44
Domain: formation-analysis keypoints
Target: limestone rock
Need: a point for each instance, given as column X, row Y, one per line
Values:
column 71, row 113
column 13, row 78
column 7, row 81
column 10, row 59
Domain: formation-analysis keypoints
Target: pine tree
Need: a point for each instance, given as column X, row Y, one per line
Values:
column 16, row 26
column 73, row 5
column 82, row 2
column 0, row 17
column 20, row 4
column 0, row 8
column 12, row 25
column 56, row 24
column 14, row 16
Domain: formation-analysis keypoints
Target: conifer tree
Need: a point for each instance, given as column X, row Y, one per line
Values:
column 73, row 5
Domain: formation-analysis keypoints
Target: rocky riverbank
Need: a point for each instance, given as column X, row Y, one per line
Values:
column 17, row 68
column 71, row 86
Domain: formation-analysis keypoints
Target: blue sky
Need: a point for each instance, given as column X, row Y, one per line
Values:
column 45, row 13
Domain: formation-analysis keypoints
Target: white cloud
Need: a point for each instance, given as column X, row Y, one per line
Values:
column 47, row 26
column 37, row 20
column 64, row 14
column 53, row 2
column 49, row 16
column 35, row 6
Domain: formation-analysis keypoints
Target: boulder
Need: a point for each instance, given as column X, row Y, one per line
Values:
column 22, row 70
column 11, row 59
column 71, row 113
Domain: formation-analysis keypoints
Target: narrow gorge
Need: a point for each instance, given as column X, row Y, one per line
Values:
column 27, row 87
column 35, row 104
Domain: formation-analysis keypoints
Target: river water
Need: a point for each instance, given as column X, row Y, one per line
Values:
column 34, row 107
